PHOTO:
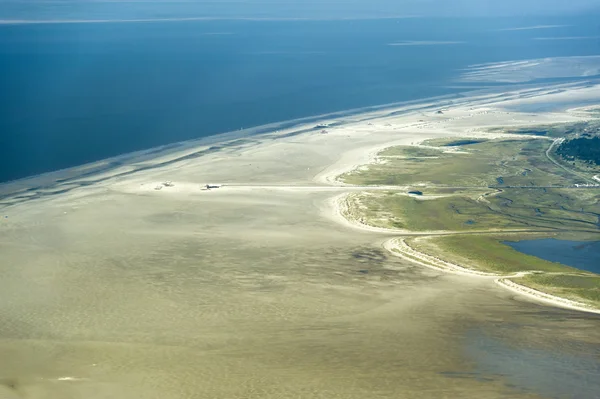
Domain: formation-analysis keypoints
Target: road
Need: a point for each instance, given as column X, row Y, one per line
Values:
column 391, row 188
column 568, row 170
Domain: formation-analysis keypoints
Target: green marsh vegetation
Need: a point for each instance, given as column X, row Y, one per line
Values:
column 554, row 130
column 486, row 253
column 584, row 288
column 493, row 184
column 487, row 164
column 482, row 193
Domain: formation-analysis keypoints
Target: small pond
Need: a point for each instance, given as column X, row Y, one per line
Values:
column 583, row 255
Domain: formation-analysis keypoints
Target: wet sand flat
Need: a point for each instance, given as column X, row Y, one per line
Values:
column 118, row 290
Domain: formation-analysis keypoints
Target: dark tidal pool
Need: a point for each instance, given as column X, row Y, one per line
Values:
column 583, row 255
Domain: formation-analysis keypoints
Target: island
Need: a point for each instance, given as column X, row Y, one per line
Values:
column 485, row 193
column 281, row 262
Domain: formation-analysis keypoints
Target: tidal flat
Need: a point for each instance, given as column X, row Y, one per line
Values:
column 247, row 296
column 115, row 289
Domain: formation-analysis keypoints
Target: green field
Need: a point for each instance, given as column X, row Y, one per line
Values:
column 519, row 171
column 561, row 209
column 483, row 193
column 554, row 130
column 489, row 253
column 489, row 163
column 454, row 212
column 411, row 151
column 485, row 252
column 453, row 142
column 522, row 209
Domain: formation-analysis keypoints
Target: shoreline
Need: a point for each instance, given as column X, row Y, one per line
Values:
column 373, row 128
column 543, row 297
column 339, row 207
column 383, row 112
column 270, row 130
column 409, row 254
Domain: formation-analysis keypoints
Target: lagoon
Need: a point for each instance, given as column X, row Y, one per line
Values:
column 583, row 255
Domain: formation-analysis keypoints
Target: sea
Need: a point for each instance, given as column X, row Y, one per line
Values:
column 73, row 93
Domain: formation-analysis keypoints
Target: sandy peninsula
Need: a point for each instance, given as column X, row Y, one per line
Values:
column 471, row 120
column 135, row 279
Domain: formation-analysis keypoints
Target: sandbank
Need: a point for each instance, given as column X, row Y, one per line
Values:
column 258, row 288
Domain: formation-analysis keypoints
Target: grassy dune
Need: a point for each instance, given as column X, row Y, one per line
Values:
column 585, row 288
column 445, row 142
column 487, row 253
column 517, row 169
column 522, row 209
column 554, row 130
column 490, row 163
column 455, row 212
column 500, row 186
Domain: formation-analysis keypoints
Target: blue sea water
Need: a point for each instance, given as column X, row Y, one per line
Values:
column 76, row 93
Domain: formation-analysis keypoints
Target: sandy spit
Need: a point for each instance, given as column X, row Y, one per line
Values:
column 543, row 297
column 472, row 118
